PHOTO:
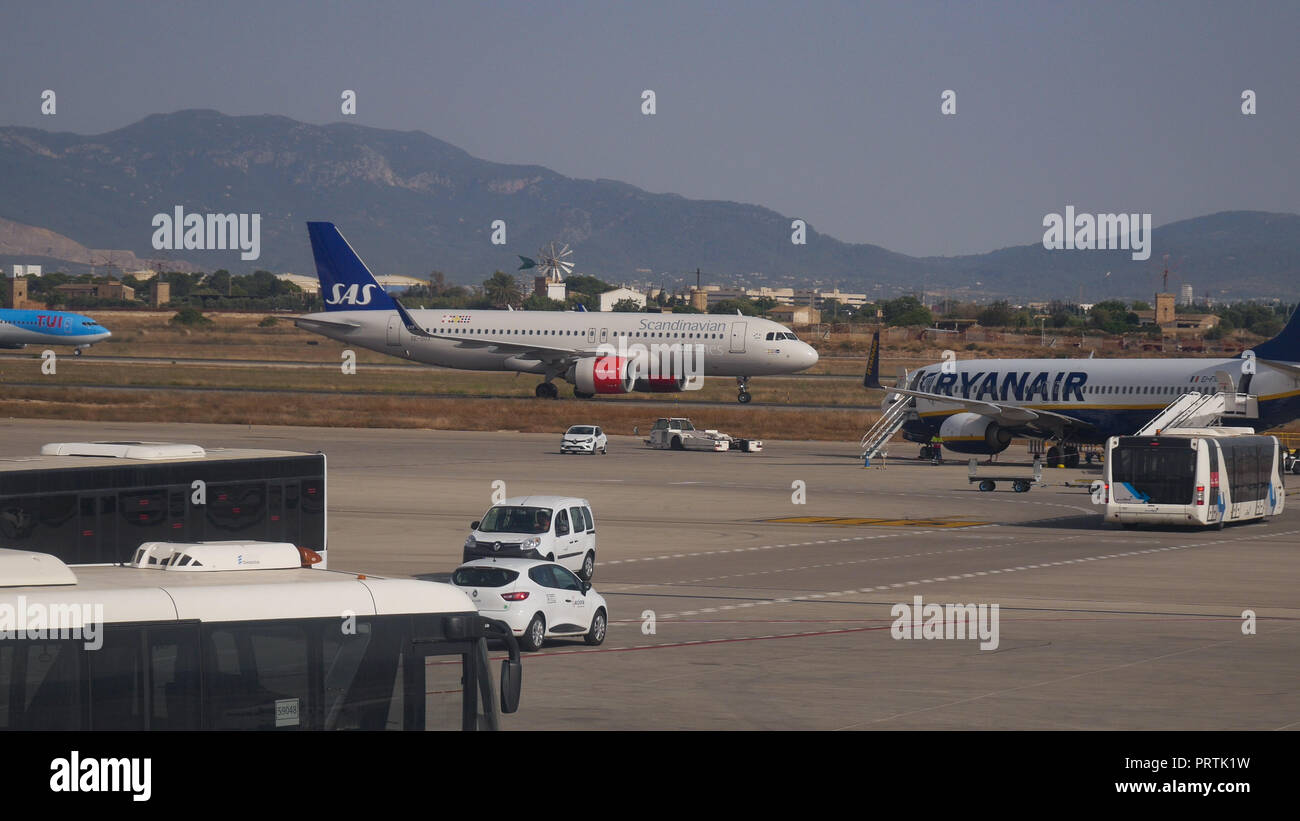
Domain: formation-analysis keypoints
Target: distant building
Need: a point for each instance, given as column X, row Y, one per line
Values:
column 1169, row 320
column 611, row 298
column 18, row 294
column 25, row 271
column 1186, row 296
column 795, row 315
column 98, row 290
column 308, row 284
column 550, row 289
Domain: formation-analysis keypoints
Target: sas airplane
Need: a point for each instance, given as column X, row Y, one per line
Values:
column 20, row 327
column 977, row 406
column 583, row 348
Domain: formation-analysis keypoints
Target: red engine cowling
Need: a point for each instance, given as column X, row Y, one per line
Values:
column 660, row 384
column 604, row 374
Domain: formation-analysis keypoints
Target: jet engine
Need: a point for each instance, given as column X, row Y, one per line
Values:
column 661, row 384
column 604, row 374
column 973, row 433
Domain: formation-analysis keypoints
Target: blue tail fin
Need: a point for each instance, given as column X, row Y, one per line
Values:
column 1285, row 347
column 346, row 284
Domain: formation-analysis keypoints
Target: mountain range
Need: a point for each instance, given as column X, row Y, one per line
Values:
column 410, row 203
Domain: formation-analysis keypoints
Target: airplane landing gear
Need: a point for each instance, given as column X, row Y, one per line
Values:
column 547, row 390
column 1066, row 454
column 582, row 395
column 76, row 351
column 743, row 396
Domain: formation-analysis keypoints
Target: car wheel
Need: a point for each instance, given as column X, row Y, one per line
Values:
column 535, row 635
column 597, row 634
column 588, row 566
column 677, row 443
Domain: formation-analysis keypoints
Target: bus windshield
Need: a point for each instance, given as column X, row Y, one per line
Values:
column 1159, row 475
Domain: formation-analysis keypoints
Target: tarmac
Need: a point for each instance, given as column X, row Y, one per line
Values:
column 761, row 591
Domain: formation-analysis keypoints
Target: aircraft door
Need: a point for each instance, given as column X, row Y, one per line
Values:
column 591, row 334
column 604, row 335
column 394, row 329
column 738, row 337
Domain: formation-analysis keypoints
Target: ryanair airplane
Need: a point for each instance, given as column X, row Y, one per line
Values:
column 20, row 328
column 977, row 406
column 602, row 352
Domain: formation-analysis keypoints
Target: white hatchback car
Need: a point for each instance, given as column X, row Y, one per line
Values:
column 539, row 600
column 584, row 439
column 554, row 528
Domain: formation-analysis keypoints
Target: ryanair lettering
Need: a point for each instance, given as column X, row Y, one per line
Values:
column 1020, row 386
column 355, row 294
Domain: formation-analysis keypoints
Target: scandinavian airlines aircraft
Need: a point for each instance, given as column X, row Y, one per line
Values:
column 977, row 406
column 20, row 328
column 604, row 352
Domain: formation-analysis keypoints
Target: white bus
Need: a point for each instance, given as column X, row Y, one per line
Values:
column 1193, row 476
column 240, row 636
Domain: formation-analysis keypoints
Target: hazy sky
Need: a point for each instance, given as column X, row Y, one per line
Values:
column 825, row 111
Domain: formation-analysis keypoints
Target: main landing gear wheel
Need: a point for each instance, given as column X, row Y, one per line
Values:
column 76, row 352
column 547, row 390
column 581, row 395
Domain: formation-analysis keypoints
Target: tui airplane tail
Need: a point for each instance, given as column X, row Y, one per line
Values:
column 346, row 284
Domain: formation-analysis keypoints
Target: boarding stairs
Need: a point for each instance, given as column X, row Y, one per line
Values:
column 1202, row 410
column 884, row 429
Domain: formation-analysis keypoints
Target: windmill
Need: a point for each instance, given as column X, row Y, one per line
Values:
column 554, row 265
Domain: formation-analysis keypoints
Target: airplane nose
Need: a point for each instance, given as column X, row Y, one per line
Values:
column 810, row 355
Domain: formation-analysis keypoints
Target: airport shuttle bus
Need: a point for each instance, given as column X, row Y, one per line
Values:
column 96, row 502
column 240, row 636
column 1197, row 477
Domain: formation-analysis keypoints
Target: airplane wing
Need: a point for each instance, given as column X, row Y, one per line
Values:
column 1009, row 415
column 1281, row 366
column 326, row 324
column 544, row 353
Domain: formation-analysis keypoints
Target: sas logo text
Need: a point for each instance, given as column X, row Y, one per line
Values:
column 355, row 294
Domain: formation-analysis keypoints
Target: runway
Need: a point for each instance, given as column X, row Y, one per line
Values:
column 725, row 619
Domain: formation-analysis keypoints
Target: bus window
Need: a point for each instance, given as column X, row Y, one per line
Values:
column 117, row 682
column 48, row 675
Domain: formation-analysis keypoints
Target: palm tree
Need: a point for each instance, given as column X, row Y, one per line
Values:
column 502, row 290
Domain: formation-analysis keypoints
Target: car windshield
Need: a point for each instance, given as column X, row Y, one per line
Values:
column 581, row 430
column 483, row 576
column 503, row 519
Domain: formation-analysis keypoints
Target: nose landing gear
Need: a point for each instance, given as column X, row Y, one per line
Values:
column 743, row 396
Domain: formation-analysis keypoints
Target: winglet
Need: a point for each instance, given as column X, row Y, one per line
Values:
column 412, row 327
column 871, row 379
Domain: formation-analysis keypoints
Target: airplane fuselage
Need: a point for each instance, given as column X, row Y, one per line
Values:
column 1114, row 397
column 19, row 327
column 731, row 345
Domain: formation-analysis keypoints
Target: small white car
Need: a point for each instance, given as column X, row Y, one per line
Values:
column 584, row 439
column 553, row 528
column 539, row 600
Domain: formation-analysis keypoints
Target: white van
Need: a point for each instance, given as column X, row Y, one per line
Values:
column 558, row 529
